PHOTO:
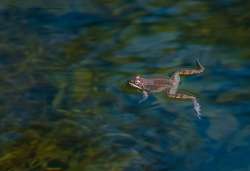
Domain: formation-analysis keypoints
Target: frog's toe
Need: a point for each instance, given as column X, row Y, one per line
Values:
column 197, row 108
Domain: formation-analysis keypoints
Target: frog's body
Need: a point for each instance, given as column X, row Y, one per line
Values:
column 168, row 85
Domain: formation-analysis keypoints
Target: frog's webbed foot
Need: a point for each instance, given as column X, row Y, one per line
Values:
column 197, row 108
column 185, row 97
column 145, row 96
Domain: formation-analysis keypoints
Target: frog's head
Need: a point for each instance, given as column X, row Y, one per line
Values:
column 137, row 82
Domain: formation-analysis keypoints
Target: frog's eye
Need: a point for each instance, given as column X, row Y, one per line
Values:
column 137, row 82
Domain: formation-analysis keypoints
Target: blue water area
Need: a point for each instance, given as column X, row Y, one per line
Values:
column 66, row 103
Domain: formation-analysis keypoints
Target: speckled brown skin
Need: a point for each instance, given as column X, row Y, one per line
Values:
column 168, row 85
column 153, row 84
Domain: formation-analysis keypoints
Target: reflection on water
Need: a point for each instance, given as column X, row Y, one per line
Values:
column 65, row 102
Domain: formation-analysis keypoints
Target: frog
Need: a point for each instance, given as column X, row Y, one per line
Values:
column 168, row 85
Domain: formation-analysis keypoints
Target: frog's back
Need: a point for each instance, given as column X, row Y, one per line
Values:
column 157, row 84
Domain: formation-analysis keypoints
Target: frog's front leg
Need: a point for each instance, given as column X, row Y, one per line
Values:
column 145, row 96
column 187, row 97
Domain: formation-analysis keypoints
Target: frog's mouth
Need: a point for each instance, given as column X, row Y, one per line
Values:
column 134, row 85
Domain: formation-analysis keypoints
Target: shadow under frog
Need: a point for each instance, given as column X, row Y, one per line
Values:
column 167, row 85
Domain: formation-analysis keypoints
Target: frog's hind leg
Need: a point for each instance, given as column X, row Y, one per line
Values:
column 188, row 97
column 192, row 71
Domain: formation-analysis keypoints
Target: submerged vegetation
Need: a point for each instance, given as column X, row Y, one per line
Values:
column 64, row 100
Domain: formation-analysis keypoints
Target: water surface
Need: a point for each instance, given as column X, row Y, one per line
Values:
column 65, row 102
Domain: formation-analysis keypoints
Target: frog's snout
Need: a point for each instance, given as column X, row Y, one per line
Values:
column 131, row 83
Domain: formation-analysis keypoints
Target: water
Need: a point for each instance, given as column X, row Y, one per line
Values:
column 66, row 104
